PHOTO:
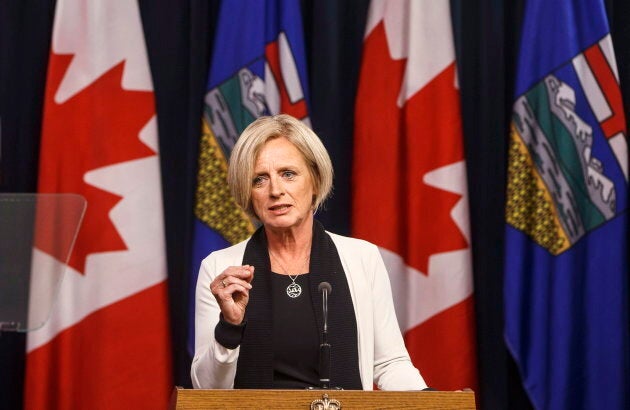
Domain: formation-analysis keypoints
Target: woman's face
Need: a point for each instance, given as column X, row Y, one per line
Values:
column 282, row 187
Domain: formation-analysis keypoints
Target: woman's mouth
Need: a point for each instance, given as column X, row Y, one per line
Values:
column 280, row 208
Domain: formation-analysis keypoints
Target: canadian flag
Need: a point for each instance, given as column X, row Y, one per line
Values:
column 409, row 183
column 106, row 343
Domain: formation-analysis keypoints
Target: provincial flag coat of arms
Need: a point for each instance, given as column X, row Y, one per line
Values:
column 569, row 151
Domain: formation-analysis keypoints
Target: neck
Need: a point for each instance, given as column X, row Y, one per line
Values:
column 290, row 249
column 292, row 241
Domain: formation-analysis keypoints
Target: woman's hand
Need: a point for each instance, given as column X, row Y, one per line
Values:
column 231, row 290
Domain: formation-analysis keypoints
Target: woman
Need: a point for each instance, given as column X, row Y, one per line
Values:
column 258, row 310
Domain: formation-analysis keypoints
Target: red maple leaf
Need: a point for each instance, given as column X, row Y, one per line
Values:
column 96, row 127
column 394, row 148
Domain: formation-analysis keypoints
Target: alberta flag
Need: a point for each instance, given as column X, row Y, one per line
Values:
column 258, row 68
column 566, row 272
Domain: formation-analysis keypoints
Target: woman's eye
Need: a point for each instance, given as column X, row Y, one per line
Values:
column 258, row 181
column 288, row 174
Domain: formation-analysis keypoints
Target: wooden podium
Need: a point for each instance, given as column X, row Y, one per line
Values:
column 319, row 399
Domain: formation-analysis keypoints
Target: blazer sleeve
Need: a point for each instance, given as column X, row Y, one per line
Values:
column 393, row 369
column 213, row 366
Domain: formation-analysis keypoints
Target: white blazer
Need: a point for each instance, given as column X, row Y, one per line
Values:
column 383, row 358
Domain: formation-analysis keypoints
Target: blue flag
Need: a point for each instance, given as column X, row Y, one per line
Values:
column 258, row 68
column 566, row 269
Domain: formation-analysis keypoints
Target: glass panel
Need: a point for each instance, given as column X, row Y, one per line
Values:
column 37, row 233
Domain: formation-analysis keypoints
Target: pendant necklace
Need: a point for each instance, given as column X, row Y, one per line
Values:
column 294, row 289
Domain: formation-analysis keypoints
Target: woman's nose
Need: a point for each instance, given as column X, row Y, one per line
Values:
column 275, row 187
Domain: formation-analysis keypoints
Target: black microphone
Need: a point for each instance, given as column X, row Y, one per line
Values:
column 324, row 347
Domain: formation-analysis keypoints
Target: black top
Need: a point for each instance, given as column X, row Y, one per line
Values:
column 295, row 336
column 255, row 368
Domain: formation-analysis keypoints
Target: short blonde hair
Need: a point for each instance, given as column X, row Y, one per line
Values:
column 254, row 137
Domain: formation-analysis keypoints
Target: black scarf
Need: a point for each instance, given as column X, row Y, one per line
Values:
column 255, row 363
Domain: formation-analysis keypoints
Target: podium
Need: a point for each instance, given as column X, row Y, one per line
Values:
column 184, row 399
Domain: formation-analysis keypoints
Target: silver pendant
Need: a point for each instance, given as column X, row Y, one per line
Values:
column 294, row 290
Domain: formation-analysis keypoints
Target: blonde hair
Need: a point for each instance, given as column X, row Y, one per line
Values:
column 254, row 137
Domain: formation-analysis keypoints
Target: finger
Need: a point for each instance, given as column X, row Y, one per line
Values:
column 239, row 289
column 231, row 280
column 221, row 279
column 251, row 271
column 243, row 272
column 230, row 292
column 218, row 284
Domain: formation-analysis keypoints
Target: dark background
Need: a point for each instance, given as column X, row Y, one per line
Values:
column 179, row 39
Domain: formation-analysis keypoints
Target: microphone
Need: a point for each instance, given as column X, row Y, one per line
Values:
column 324, row 347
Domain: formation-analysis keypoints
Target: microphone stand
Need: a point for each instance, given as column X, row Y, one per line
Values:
column 324, row 347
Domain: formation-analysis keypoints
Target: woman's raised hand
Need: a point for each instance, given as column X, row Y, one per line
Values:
column 231, row 290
